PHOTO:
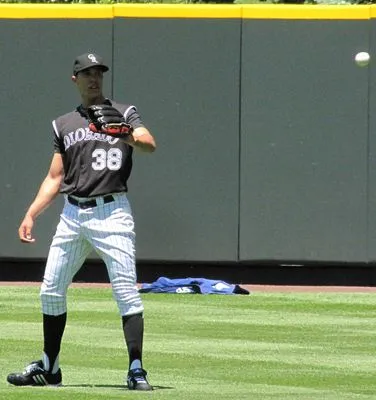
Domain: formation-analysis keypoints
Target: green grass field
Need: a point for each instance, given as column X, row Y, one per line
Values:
column 262, row 346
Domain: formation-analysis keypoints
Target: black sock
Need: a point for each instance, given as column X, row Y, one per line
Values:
column 133, row 327
column 53, row 329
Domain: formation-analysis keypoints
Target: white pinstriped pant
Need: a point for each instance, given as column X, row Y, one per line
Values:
column 109, row 230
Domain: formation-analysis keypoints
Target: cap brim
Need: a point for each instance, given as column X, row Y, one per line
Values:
column 103, row 67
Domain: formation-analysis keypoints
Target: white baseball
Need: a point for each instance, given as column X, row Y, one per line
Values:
column 362, row 59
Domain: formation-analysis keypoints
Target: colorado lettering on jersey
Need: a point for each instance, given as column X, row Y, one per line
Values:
column 86, row 134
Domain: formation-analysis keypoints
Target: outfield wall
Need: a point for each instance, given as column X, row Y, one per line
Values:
column 265, row 126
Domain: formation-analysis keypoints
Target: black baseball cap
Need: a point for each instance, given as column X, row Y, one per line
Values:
column 88, row 60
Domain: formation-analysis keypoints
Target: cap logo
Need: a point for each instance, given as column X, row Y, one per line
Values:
column 92, row 58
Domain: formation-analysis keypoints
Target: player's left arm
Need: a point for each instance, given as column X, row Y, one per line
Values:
column 142, row 139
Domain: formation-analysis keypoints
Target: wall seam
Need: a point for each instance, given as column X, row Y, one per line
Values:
column 368, row 175
column 113, row 56
column 240, row 130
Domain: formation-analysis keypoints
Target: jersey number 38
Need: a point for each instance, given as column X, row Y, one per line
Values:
column 110, row 159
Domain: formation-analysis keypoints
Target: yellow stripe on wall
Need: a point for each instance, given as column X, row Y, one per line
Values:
column 372, row 11
column 286, row 11
column 251, row 11
column 177, row 11
column 55, row 11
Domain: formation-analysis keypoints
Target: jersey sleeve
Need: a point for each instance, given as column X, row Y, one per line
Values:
column 132, row 117
column 58, row 144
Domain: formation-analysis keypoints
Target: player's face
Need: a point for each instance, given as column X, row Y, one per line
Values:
column 89, row 83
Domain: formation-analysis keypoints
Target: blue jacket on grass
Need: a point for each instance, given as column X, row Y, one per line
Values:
column 191, row 285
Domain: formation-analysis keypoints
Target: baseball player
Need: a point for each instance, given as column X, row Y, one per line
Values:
column 91, row 164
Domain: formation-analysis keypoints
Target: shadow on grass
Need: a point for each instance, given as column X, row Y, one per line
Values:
column 120, row 387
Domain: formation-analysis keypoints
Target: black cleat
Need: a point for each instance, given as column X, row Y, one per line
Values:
column 136, row 380
column 35, row 375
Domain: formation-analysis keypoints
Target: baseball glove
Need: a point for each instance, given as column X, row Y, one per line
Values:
column 107, row 119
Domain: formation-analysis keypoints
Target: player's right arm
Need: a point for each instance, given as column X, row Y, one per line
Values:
column 48, row 191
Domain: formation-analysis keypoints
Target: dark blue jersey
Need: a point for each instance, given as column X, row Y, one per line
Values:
column 94, row 163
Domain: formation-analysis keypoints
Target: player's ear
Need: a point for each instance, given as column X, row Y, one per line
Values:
column 74, row 78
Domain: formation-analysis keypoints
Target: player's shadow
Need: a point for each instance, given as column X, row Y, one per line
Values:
column 119, row 387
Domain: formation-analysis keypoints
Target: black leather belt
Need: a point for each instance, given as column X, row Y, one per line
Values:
column 90, row 203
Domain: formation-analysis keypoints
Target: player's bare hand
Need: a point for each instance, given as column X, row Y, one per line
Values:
column 25, row 229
